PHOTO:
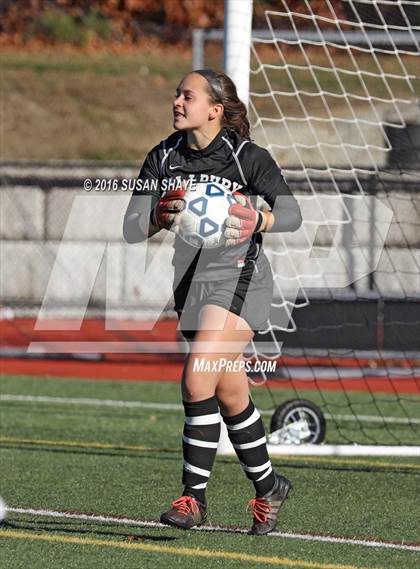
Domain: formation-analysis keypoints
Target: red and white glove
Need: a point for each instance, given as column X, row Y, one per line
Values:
column 165, row 211
column 243, row 220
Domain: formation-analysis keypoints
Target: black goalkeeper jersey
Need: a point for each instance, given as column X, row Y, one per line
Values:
column 236, row 163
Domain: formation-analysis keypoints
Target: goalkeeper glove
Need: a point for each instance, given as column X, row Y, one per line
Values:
column 165, row 211
column 243, row 220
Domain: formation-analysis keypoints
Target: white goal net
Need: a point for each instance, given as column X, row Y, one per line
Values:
column 335, row 97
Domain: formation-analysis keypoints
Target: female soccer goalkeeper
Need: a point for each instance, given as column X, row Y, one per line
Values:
column 223, row 295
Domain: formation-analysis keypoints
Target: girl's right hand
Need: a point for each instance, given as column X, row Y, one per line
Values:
column 165, row 211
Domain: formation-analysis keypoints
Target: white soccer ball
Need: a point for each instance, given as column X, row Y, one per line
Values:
column 201, row 223
column 3, row 509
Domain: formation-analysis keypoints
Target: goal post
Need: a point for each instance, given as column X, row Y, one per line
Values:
column 237, row 44
column 334, row 95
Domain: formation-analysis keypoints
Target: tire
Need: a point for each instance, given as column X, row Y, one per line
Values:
column 297, row 409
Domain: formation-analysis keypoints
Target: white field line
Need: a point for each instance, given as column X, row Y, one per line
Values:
column 90, row 401
column 336, row 450
column 178, row 407
column 151, row 524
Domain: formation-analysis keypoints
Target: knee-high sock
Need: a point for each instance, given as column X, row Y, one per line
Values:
column 200, row 438
column 247, row 435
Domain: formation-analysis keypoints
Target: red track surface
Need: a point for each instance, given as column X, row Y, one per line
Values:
column 172, row 372
column 144, row 367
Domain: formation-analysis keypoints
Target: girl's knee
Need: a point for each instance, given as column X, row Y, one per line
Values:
column 192, row 394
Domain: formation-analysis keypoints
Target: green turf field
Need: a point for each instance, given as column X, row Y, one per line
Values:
column 121, row 461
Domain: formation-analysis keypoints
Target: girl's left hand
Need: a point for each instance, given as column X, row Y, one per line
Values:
column 242, row 222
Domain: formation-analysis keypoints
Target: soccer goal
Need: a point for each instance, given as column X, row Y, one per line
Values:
column 333, row 91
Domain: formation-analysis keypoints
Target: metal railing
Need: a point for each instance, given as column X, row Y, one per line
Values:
column 378, row 39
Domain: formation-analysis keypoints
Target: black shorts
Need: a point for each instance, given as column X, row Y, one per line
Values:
column 249, row 297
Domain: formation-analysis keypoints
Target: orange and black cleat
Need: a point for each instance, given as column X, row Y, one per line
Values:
column 186, row 512
column 266, row 509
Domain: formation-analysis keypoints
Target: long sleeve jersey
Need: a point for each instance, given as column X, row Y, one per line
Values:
column 231, row 160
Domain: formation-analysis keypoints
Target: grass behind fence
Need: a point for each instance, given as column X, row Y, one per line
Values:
column 109, row 106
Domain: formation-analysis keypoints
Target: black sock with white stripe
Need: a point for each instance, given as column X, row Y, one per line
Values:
column 200, row 438
column 247, row 435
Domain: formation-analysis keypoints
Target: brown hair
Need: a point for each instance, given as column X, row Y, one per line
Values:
column 222, row 90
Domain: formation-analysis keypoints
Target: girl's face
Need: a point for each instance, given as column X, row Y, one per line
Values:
column 192, row 107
